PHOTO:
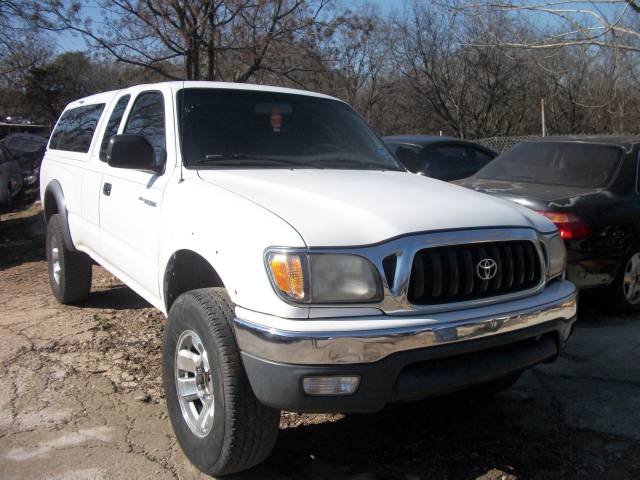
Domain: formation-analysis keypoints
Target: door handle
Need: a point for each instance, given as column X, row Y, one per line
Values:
column 106, row 189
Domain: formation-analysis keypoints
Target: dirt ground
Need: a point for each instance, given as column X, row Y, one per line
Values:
column 81, row 398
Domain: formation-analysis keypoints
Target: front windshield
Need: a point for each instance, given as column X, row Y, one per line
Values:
column 252, row 129
column 572, row 164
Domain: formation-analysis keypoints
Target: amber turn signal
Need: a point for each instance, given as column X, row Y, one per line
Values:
column 288, row 274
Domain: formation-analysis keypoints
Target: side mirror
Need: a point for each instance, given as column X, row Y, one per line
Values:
column 132, row 152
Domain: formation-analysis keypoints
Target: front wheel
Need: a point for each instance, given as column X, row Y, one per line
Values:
column 219, row 423
column 625, row 289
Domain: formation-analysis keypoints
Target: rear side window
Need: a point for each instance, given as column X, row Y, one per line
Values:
column 450, row 153
column 450, row 162
column 147, row 118
column 408, row 155
column 113, row 124
column 482, row 157
column 76, row 128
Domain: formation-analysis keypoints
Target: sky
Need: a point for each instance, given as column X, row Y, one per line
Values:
column 385, row 5
column 66, row 41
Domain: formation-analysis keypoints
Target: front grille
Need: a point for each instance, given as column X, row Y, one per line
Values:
column 450, row 274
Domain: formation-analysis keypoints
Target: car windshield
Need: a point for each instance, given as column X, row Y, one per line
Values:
column 252, row 129
column 25, row 143
column 571, row 164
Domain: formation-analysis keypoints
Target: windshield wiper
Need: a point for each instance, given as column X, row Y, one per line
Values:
column 348, row 162
column 242, row 158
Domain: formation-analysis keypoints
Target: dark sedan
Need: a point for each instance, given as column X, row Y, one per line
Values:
column 589, row 187
column 10, row 178
column 444, row 158
column 28, row 150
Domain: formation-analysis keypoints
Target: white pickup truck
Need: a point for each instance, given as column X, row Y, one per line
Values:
column 299, row 265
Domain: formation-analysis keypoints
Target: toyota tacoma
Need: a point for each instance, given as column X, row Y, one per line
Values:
column 299, row 265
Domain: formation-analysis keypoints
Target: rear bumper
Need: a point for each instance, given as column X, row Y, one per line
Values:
column 594, row 272
column 437, row 354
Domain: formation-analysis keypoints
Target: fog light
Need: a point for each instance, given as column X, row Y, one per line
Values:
column 330, row 385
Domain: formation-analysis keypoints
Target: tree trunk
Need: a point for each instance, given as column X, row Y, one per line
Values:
column 211, row 60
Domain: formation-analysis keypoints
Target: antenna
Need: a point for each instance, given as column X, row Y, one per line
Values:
column 181, row 130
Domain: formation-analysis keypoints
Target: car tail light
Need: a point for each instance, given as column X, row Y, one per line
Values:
column 569, row 225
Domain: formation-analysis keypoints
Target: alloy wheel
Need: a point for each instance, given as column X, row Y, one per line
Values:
column 194, row 383
column 55, row 260
column 631, row 280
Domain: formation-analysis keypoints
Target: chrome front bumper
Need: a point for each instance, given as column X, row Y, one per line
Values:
column 357, row 345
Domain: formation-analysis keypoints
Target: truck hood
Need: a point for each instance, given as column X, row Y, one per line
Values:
column 361, row 207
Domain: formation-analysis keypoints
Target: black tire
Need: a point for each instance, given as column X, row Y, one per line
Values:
column 72, row 281
column 620, row 302
column 244, row 431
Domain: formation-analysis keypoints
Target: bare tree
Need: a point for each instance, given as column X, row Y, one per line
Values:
column 601, row 23
column 10, row 10
column 360, row 55
column 209, row 39
column 21, row 46
column 467, row 69
column 473, row 90
column 584, row 50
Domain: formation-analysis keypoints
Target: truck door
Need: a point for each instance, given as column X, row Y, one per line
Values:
column 130, row 200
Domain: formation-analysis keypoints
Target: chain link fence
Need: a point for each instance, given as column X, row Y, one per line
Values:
column 502, row 144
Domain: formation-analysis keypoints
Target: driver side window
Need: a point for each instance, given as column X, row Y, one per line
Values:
column 147, row 119
column 113, row 124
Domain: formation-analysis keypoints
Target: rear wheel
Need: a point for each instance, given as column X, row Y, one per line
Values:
column 69, row 271
column 219, row 423
column 625, row 289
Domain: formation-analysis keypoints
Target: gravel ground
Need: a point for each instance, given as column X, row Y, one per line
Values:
column 81, row 398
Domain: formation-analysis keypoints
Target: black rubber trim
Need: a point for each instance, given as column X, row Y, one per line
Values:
column 439, row 378
column 408, row 375
column 55, row 189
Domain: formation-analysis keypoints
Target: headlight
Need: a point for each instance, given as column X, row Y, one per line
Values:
column 324, row 277
column 343, row 278
column 556, row 255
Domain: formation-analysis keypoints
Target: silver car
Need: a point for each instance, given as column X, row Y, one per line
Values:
column 10, row 178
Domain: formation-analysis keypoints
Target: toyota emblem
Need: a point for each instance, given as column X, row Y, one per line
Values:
column 487, row 269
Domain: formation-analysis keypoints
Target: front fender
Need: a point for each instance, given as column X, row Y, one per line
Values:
column 231, row 233
column 53, row 202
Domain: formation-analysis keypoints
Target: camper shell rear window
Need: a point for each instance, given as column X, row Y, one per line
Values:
column 76, row 127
